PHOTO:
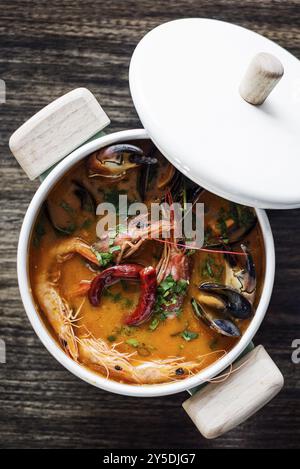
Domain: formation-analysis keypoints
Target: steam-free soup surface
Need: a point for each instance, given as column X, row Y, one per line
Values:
column 66, row 255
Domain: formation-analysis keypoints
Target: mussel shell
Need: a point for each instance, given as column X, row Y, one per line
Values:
column 236, row 305
column 145, row 173
column 222, row 326
column 226, row 327
column 87, row 201
column 62, row 214
column 241, row 271
column 249, row 284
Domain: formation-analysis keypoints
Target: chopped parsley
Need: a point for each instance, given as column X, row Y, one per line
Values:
column 189, row 335
column 127, row 330
column 128, row 303
column 170, row 287
column 111, row 338
column 133, row 342
column 168, row 293
column 154, row 324
column 106, row 258
column 210, row 268
column 115, row 297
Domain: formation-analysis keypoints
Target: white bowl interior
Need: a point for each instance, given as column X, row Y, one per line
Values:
column 50, row 343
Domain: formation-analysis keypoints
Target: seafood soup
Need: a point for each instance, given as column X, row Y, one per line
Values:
column 135, row 308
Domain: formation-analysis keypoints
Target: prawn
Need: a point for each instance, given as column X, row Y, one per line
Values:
column 58, row 312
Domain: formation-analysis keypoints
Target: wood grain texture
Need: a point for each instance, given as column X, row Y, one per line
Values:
column 56, row 130
column 221, row 406
column 262, row 75
column 46, row 49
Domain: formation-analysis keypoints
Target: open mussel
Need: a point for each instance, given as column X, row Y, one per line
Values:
column 241, row 272
column 218, row 324
column 182, row 189
column 235, row 304
column 62, row 213
column 114, row 161
column 147, row 172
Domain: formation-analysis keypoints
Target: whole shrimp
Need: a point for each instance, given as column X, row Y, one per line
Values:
column 56, row 308
column 96, row 354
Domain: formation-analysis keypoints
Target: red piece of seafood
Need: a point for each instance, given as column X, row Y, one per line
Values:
column 147, row 277
column 110, row 276
column 147, row 299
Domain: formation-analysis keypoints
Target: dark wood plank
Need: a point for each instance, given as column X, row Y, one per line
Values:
column 46, row 49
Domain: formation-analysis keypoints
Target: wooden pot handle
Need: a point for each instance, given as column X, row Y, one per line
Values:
column 262, row 75
column 57, row 130
column 218, row 408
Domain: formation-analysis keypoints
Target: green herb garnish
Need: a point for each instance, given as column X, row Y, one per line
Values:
column 111, row 338
column 127, row 330
column 115, row 297
column 168, row 293
column 128, row 303
column 210, row 268
column 154, row 323
column 105, row 258
column 133, row 342
column 189, row 335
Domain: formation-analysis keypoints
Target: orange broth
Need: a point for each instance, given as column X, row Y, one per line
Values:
column 168, row 338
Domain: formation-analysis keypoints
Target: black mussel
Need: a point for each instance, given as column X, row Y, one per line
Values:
column 249, row 272
column 241, row 272
column 62, row 213
column 174, row 188
column 87, row 201
column 146, row 174
column 192, row 191
column 220, row 325
column 236, row 305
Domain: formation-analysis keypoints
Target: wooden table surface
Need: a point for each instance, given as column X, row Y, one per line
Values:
column 46, row 49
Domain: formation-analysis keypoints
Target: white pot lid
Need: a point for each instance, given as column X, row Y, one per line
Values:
column 184, row 80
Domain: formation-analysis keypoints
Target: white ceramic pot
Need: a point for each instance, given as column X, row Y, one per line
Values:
column 251, row 386
column 42, row 331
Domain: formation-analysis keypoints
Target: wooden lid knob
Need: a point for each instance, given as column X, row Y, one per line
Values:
column 262, row 75
column 56, row 130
